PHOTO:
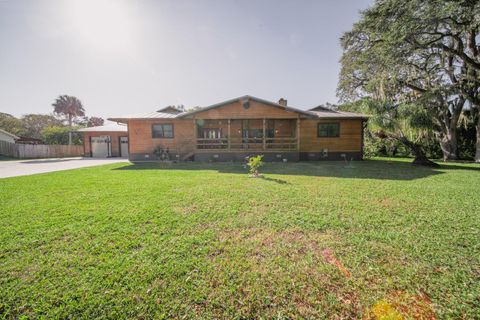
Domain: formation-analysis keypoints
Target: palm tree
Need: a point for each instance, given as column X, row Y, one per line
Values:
column 69, row 107
column 392, row 120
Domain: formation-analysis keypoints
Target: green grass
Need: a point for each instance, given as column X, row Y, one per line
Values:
column 207, row 241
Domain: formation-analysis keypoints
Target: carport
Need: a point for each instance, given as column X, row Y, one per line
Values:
column 105, row 141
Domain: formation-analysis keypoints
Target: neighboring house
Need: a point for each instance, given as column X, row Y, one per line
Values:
column 7, row 136
column 232, row 130
column 29, row 140
column 105, row 141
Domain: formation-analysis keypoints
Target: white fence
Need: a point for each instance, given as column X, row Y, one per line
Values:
column 39, row 150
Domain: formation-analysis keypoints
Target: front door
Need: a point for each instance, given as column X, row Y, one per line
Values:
column 124, row 147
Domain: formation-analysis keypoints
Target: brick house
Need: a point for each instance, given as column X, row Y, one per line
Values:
column 234, row 129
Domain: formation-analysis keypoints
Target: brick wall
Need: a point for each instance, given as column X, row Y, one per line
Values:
column 114, row 136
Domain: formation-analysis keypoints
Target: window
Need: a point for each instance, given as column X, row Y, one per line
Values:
column 211, row 133
column 328, row 130
column 252, row 129
column 162, row 131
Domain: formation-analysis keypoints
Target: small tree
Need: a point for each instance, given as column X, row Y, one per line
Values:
column 254, row 163
column 389, row 121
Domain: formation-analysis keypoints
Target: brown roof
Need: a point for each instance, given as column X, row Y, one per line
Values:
column 333, row 114
column 28, row 140
column 243, row 98
column 171, row 112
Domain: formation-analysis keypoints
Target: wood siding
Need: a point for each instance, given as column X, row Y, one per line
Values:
column 142, row 145
column 256, row 110
column 350, row 139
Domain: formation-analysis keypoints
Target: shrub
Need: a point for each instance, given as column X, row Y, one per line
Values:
column 59, row 135
column 162, row 153
column 254, row 163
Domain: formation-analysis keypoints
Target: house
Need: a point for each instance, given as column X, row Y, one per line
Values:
column 7, row 136
column 105, row 141
column 29, row 140
column 234, row 129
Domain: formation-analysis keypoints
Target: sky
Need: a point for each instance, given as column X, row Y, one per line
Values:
column 123, row 57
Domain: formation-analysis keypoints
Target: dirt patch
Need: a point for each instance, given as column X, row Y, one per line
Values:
column 186, row 210
column 385, row 202
column 291, row 244
column 259, row 272
column 402, row 305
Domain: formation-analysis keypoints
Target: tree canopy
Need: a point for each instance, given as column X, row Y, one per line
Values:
column 33, row 124
column 11, row 124
column 69, row 107
column 51, row 127
column 416, row 52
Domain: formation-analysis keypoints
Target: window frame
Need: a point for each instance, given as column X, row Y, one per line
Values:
column 163, row 131
column 328, row 123
column 218, row 132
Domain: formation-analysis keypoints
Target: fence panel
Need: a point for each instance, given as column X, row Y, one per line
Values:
column 23, row 151
column 8, row 149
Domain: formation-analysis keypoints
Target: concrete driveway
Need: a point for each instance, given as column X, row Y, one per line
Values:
column 27, row 167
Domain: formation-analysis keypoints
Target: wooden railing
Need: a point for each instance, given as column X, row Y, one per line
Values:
column 207, row 144
column 238, row 144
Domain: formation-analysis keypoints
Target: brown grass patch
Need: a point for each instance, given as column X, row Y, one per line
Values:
column 186, row 210
column 402, row 305
column 258, row 272
column 385, row 202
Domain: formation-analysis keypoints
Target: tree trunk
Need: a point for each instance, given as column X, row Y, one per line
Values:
column 420, row 156
column 70, row 132
column 449, row 144
column 447, row 131
column 477, row 144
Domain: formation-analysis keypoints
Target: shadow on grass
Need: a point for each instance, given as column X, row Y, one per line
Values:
column 459, row 166
column 367, row 169
column 44, row 161
column 53, row 160
column 279, row 181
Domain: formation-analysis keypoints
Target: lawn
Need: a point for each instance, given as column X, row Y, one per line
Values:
column 207, row 241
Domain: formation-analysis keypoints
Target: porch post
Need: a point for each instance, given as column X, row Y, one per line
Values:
column 229, row 135
column 195, row 133
column 298, row 133
column 264, row 141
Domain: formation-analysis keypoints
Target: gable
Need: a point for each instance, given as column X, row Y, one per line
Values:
column 246, row 108
column 170, row 109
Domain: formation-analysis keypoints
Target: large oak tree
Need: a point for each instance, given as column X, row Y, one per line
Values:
column 417, row 51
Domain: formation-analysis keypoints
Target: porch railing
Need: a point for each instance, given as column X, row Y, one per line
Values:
column 241, row 144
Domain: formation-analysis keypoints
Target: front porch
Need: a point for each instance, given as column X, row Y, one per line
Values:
column 246, row 135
